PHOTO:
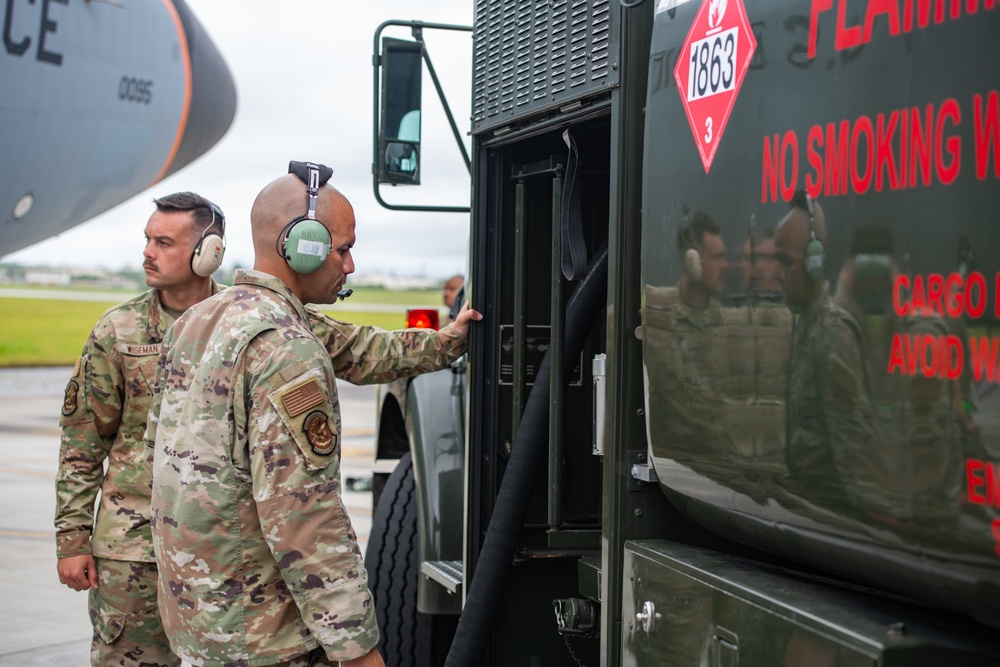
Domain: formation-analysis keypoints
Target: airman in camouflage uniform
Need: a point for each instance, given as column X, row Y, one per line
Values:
column 709, row 366
column 103, row 419
column 259, row 563
column 919, row 417
column 833, row 447
column 682, row 325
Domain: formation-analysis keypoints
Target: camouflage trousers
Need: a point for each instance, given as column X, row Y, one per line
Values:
column 314, row 659
column 123, row 611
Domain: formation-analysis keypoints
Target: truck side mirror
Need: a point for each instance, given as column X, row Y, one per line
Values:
column 398, row 157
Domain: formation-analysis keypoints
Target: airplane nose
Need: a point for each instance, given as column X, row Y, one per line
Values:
column 213, row 93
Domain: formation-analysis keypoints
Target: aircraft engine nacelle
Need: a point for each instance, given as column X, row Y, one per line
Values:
column 100, row 101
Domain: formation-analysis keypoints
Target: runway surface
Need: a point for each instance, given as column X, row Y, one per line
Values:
column 42, row 622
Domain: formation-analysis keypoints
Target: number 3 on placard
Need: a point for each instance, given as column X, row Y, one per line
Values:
column 708, row 130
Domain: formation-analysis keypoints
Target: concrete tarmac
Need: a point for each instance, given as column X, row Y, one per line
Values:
column 42, row 622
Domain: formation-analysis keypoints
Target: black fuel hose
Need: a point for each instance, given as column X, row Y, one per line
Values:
column 528, row 453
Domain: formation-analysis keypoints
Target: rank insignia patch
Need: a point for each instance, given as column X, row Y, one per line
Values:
column 318, row 433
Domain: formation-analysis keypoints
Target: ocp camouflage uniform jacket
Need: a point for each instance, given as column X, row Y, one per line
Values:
column 103, row 419
column 834, row 449
column 258, row 560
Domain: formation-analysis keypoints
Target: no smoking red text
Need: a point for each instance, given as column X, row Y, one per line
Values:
column 901, row 149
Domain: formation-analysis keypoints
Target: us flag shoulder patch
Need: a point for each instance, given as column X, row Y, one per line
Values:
column 301, row 398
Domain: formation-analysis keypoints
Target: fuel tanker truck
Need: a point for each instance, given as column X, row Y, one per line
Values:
column 734, row 399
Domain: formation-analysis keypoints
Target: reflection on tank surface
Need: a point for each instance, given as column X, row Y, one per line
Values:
column 847, row 420
column 766, row 387
column 919, row 418
column 833, row 444
column 718, row 370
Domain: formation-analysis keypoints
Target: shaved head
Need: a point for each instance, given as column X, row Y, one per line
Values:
column 284, row 199
column 795, row 225
column 790, row 238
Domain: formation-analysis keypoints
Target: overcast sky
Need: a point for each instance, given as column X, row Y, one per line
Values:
column 304, row 85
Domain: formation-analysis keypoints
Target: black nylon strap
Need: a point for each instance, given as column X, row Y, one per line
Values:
column 574, row 248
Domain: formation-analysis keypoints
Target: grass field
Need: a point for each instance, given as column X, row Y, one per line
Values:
column 48, row 332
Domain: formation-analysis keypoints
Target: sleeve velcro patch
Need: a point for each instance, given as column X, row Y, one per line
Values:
column 319, row 435
column 309, row 418
column 287, row 374
column 73, row 396
column 302, row 397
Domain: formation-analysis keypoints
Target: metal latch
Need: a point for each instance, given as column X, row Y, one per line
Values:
column 647, row 617
column 642, row 475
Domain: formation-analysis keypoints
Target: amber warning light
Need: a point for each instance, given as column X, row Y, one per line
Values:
column 422, row 318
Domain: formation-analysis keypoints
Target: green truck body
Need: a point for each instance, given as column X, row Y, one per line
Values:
column 734, row 400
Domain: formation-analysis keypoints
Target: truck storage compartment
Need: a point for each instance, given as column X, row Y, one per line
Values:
column 685, row 606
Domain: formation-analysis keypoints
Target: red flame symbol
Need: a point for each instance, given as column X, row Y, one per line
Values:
column 716, row 10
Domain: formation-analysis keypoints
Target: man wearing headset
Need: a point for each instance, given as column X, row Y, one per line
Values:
column 257, row 558
column 103, row 419
column 692, row 369
column 703, row 254
column 832, row 448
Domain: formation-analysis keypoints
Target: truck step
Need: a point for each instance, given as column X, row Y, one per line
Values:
column 448, row 573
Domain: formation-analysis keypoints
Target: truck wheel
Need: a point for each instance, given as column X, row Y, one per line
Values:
column 393, row 563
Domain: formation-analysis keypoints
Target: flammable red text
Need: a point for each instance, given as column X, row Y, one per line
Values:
column 901, row 16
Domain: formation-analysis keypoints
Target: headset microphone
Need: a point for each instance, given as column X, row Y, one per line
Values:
column 344, row 293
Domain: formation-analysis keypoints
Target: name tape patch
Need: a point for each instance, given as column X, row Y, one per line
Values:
column 140, row 350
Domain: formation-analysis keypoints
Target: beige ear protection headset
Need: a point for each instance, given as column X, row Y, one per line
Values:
column 207, row 256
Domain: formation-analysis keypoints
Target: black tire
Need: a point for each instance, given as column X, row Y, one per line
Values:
column 393, row 563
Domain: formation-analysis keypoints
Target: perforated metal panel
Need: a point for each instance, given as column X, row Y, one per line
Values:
column 529, row 56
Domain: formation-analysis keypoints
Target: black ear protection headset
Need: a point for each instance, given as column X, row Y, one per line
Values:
column 207, row 256
column 815, row 253
column 305, row 242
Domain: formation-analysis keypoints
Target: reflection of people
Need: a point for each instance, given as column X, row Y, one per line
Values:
column 258, row 560
column 806, row 649
column 966, row 261
column 918, row 416
column 703, row 255
column 769, row 326
column 690, row 371
column 759, row 267
column 450, row 290
column 832, row 431
column 103, row 418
